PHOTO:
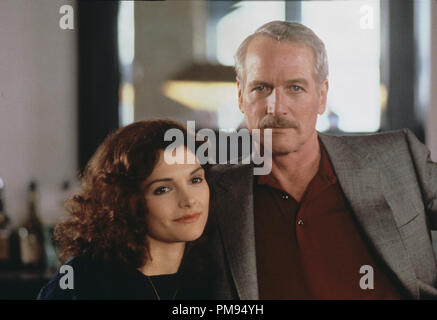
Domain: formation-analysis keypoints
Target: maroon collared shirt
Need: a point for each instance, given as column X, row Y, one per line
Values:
column 314, row 249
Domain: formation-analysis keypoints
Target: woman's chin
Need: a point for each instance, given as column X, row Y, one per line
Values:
column 192, row 235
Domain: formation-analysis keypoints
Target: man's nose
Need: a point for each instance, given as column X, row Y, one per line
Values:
column 275, row 105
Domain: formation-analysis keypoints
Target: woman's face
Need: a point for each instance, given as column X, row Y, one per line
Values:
column 177, row 198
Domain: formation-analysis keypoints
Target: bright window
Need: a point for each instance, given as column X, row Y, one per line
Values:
column 351, row 33
column 126, row 49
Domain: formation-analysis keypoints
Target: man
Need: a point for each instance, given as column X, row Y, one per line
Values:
column 337, row 217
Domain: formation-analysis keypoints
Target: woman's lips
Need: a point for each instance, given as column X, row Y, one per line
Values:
column 189, row 218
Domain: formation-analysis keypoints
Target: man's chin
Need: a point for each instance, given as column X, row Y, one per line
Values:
column 282, row 148
column 284, row 142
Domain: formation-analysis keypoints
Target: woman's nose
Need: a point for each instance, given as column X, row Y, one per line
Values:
column 187, row 199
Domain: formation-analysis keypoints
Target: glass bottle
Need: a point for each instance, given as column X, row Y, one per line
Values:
column 31, row 233
column 5, row 232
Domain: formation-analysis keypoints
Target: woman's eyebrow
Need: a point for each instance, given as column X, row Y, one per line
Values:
column 170, row 179
column 195, row 170
column 158, row 180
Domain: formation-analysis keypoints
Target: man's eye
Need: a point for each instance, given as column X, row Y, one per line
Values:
column 260, row 88
column 296, row 88
column 197, row 180
column 161, row 190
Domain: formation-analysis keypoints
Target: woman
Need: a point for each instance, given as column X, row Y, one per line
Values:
column 127, row 233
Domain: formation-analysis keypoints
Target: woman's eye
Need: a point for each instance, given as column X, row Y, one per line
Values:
column 161, row 190
column 197, row 180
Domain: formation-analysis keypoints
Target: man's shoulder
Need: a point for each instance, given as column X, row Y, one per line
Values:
column 398, row 140
column 378, row 137
column 379, row 149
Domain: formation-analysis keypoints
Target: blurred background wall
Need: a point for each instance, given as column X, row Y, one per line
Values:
column 38, row 104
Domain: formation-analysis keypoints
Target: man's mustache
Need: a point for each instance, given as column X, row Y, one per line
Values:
column 271, row 121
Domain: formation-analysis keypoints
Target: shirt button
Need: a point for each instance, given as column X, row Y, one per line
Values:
column 300, row 222
column 285, row 197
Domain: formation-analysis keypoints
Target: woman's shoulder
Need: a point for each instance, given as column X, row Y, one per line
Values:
column 79, row 278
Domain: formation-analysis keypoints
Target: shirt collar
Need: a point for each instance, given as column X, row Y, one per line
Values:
column 324, row 177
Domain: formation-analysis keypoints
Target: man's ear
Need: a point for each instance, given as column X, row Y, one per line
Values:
column 323, row 90
column 240, row 95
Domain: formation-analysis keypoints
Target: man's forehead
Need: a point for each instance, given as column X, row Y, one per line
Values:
column 262, row 44
column 267, row 54
column 265, row 51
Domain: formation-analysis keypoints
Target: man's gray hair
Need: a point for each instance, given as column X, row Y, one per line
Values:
column 288, row 31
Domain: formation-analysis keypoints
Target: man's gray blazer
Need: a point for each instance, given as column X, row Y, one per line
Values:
column 391, row 185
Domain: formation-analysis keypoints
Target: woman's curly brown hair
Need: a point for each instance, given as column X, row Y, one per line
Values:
column 107, row 218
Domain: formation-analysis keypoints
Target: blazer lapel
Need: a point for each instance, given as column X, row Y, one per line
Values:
column 234, row 203
column 366, row 188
